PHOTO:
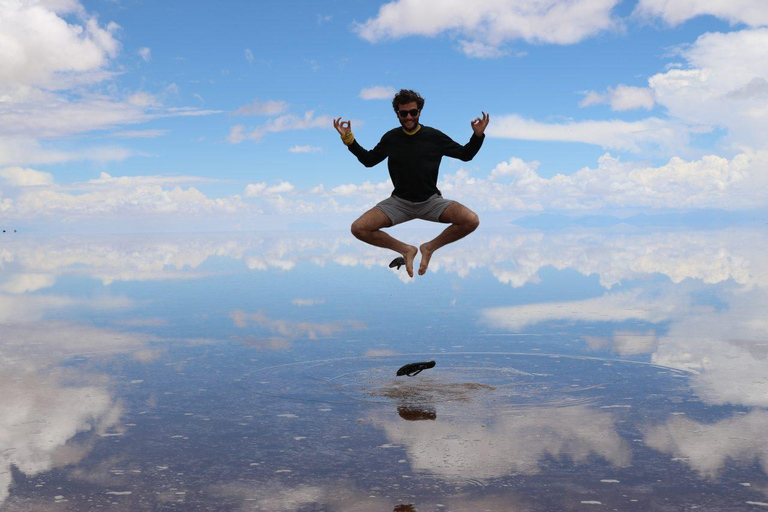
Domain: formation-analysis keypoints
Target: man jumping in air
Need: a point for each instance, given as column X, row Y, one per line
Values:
column 414, row 153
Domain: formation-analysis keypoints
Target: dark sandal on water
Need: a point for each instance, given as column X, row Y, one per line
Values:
column 397, row 262
column 413, row 369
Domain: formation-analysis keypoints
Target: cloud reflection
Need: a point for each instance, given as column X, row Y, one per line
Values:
column 294, row 329
column 638, row 304
column 654, row 280
column 709, row 448
column 508, row 443
column 514, row 256
column 52, row 411
column 41, row 415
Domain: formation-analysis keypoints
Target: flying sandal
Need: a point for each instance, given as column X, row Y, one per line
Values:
column 413, row 369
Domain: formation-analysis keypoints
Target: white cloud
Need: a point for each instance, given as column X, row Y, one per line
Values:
column 262, row 108
column 308, row 302
column 255, row 189
column 282, row 123
column 5, row 204
column 20, row 177
column 139, row 181
column 53, row 118
column 34, row 154
column 378, row 92
column 725, row 84
column 236, row 134
column 139, row 134
column 281, row 188
column 489, row 23
column 712, row 182
column 50, row 116
column 28, row 151
column 49, row 67
column 625, row 97
column 40, row 48
column 513, row 186
column 370, row 189
column 622, row 97
column 635, row 136
column 481, row 50
column 305, row 149
column 261, row 189
column 121, row 198
column 314, row 65
column 249, row 55
column 143, row 99
column 515, row 167
column 145, row 53
column 750, row 12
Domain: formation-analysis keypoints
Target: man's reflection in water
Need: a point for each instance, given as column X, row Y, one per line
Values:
column 414, row 413
column 411, row 413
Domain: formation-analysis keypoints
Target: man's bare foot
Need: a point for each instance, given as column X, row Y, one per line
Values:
column 426, row 254
column 409, row 255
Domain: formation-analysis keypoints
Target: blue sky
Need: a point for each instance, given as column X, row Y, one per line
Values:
column 130, row 111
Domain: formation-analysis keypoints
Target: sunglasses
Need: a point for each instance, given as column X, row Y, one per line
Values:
column 404, row 113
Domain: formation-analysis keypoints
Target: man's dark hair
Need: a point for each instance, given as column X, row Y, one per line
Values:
column 407, row 96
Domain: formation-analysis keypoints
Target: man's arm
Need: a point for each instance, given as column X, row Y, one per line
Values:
column 467, row 152
column 367, row 158
column 464, row 153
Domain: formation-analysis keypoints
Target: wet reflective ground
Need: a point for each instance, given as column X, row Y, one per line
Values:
column 581, row 369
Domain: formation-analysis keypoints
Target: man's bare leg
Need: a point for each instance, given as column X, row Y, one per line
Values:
column 463, row 221
column 368, row 229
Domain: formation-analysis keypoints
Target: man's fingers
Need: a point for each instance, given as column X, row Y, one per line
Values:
column 342, row 125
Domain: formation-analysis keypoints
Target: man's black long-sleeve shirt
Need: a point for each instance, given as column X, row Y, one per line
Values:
column 414, row 160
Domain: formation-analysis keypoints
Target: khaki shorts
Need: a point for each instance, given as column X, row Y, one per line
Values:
column 399, row 210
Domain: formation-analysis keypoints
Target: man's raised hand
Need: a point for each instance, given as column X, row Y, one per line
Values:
column 342, row 126
column 479, row 124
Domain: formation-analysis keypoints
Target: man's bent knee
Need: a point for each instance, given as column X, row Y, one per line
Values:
column 473, row 221
column 358, row 230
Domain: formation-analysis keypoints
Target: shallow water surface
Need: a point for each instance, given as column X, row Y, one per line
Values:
column 584, row 369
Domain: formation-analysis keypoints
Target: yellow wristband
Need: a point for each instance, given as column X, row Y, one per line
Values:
column 348, row 138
